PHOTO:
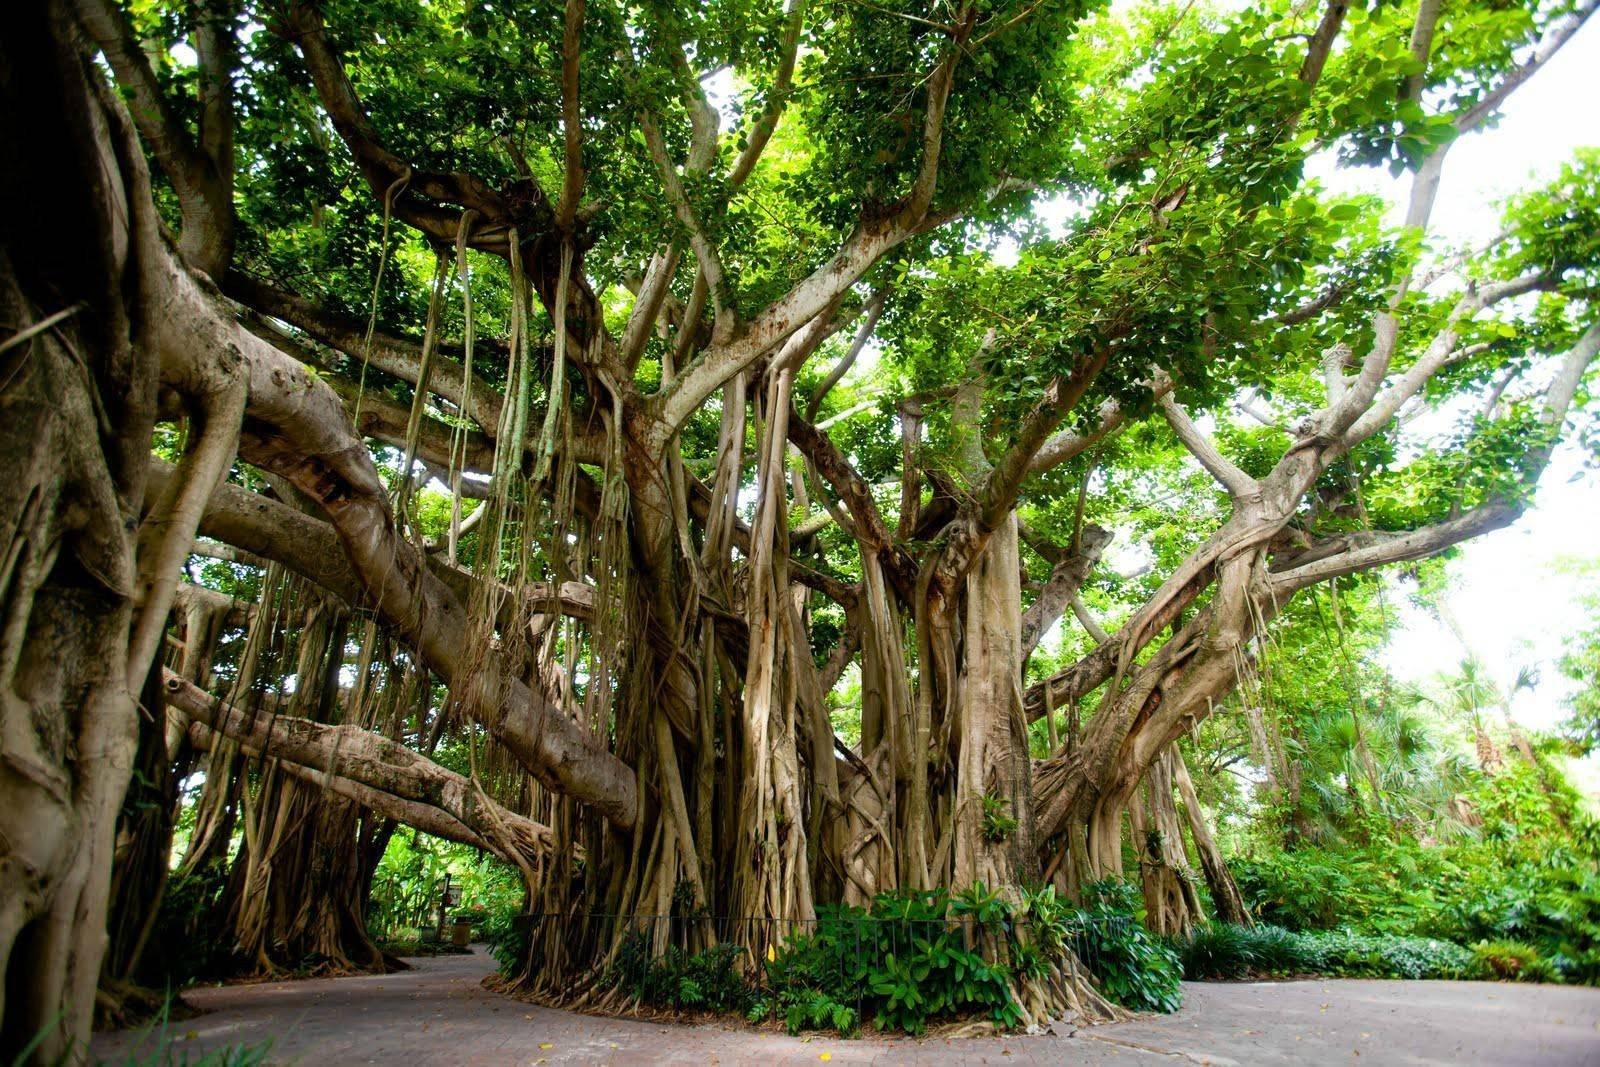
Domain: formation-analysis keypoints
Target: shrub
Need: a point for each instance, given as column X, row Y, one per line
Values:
column 1134, row 968
column 1313, row 888
column 909, row 958
column 1347, row 954
column 1220, row 951
column 509, row 937
column 1512, row 961
column 188, row 929
column 1553, row 905
column 705, row 981
column 1278, row 951
column 1530, row 876
column 1227, row 952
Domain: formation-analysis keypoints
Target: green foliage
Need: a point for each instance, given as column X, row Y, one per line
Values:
column 998, row 823
column 1347, row 954
column 1320, row 889
column 509, row 938
column 1132, row 966
column 1221, row 951
column 410, row 878
column 1580, row 659
column 1530, row 877
column 188, row 929
column 710, row 980
column 909, row 958
column 1512, row 961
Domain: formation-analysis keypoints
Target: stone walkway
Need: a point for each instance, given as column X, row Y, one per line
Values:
column 439, row 1013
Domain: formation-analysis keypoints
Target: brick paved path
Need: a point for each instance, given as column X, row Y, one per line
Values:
column 439, row 1013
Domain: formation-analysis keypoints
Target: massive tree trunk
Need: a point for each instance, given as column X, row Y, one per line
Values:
column 993, row 796
column 76, row 414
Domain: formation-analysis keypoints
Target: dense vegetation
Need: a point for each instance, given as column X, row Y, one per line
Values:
column 909, row 959
column 763, row 469
column 1412, row 832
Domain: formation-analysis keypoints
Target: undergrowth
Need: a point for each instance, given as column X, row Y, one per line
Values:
column 906, row 961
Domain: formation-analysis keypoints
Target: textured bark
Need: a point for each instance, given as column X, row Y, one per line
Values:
column 772, row 874
column 76, row 414
column 1172, row 903
column 1226, row 899
column 1066, row 579
column 994, row 788
column 296, row 427
column 370, row 769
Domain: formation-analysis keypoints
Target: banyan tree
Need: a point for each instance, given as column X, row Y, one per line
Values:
column 641, row 392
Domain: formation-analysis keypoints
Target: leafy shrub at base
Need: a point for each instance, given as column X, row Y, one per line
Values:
column 907, row 960
column 1132, row 966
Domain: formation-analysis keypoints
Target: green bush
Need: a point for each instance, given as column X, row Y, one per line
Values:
column 1347, row 954
column 1512, row 961
column 1553, row 906
column 1222, row 951
column 913, row 958
column 705, row 981
column 1133, row 967
column 508, row 935
column 188, row 929
column 909, row 958
column 1530, row 876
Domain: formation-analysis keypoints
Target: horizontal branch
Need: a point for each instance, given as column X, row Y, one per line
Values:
column 398, row 357
column 383, row 766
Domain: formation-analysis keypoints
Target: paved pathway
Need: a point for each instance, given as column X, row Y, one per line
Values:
column 440, row 1014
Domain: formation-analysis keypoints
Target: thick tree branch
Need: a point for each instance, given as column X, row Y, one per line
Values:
column 366, row 758
column 382, row 168
column 571, row 116
column 201, row 172
column 1441, row 351
column 1377, row 548
column 1552, row 43
column 400, row 357
column 1066, row 579
column 1202, row 448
